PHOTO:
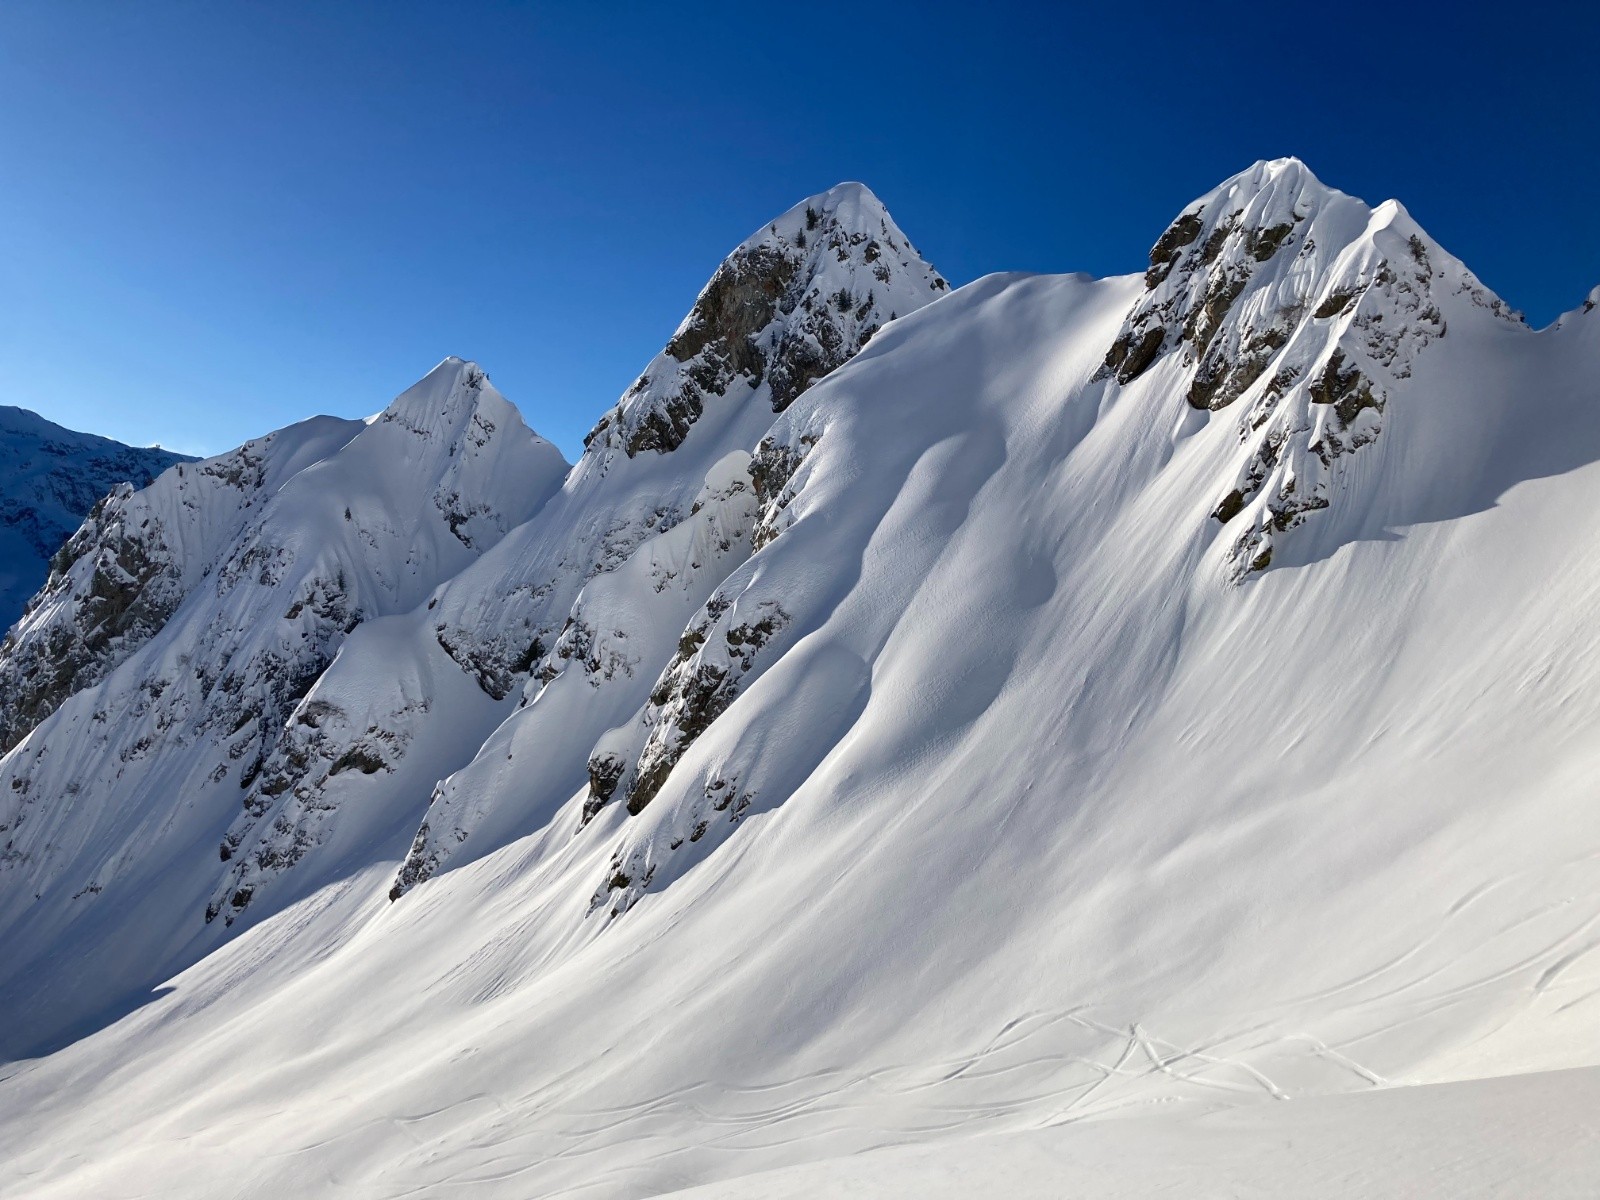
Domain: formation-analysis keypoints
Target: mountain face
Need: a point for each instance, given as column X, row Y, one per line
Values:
column 917, row 713
column 52, row 478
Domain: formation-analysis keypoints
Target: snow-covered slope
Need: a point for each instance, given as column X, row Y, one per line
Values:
column 1096, row 697
column 150, row 684
column 50, row 477
column 770, row 320
column 1506, row 1139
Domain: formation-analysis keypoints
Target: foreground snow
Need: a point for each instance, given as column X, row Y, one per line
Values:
column 1044, row 716
column 1494, row 1139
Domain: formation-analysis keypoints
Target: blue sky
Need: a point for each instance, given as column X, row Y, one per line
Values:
column 217, row 218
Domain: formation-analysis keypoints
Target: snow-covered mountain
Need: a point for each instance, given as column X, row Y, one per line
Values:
column 918, row 714
column 50, row 477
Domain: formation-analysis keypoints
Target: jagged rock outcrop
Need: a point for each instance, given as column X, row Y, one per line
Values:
column 789, row 305
column 123, row 573
column 1304, row 307
column 623, row 624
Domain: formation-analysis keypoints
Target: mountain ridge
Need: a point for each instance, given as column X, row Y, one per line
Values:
column 1092, row 695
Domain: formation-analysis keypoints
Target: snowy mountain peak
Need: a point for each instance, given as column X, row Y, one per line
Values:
column 793, row 301
column 256, row 565
column 1308, row 307
column 454, row 392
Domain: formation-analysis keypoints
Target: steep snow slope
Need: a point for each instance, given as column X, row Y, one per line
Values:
column 180, row 628
column 772, row 318
column 341, row 684
column 960, row 774
column 50, row 477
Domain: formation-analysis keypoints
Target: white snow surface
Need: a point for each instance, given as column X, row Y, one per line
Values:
column 923, row 763
column 1491, row 1139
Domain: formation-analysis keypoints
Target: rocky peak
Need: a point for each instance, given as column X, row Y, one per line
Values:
column 1307, row 306
column 1255, row 242
column 793, row 302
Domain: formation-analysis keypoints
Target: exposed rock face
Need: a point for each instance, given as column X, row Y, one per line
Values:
column 699, row 684
column 597, row 675
column 185, row 625
column 1306, row 306
column 773, row 470
column 788, row 306
column 122, row 575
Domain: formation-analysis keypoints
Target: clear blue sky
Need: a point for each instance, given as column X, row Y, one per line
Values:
column 216, row 218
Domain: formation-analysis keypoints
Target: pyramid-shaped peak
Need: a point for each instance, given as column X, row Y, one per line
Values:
column 847, row 211
column 449, row 385
column 846, row 190
column 455, row 401
column 794, row 301
column 848, row 203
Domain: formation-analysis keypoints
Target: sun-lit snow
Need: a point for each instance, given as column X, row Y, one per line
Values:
column 1044, row 717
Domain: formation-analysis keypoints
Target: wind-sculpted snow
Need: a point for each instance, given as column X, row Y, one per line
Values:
column 935, row 756
column 598, row 673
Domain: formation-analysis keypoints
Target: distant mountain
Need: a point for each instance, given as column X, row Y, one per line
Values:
column 50, row 477
column 916, row 714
